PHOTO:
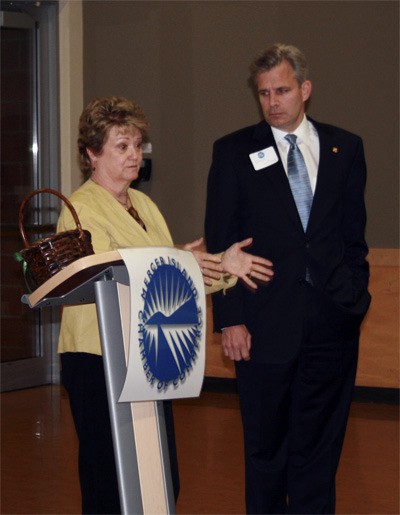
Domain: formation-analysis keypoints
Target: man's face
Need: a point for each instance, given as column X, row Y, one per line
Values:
column 281, row 97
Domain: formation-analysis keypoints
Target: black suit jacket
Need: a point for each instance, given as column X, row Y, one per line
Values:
column 243, row 202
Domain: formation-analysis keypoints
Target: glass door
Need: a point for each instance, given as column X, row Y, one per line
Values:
column 27, row 336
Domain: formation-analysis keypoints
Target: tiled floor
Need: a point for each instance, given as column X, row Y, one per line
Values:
column 39, row 454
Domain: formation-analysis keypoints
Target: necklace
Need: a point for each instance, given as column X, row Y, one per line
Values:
column 127, row 205
column 132, row 211
column 123, row 203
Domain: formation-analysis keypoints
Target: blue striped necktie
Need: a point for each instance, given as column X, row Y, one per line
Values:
column 299, row 180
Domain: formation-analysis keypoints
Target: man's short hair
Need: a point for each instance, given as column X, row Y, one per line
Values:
column 275, row 55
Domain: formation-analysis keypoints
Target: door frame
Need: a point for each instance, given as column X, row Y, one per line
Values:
column 43, row 17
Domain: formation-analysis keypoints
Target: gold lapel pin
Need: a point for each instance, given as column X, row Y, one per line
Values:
column 335, row 150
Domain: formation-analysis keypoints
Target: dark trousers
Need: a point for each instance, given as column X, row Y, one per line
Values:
column 295, row 414
column 84, row 380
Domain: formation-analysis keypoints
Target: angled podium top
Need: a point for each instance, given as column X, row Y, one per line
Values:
column 74, row 284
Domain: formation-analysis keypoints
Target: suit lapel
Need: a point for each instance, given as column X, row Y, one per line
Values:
column 326, row 174
column 327, row 171
column 276, row 173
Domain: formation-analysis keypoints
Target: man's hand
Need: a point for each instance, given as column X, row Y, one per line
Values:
column 246, row 266
column 236, row 342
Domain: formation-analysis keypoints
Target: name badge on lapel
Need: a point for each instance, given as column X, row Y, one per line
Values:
column 263, row 158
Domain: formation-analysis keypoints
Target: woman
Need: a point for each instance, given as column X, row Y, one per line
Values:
column 111, row 133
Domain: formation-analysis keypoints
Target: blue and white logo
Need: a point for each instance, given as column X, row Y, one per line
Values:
column 261, row 154
column 169, row 325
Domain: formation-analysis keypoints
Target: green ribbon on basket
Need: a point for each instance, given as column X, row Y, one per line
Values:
column 18, row 258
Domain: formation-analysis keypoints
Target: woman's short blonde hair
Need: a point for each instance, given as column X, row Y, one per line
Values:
column 96, row 120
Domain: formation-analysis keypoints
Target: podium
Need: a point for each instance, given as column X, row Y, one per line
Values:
column 138, row 427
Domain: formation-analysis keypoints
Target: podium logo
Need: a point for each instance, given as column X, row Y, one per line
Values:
column 170, row 324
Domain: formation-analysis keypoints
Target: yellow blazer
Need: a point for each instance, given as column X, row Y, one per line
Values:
column 111, row 227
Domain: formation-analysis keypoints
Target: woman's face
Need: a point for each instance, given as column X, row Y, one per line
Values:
column 120, row 160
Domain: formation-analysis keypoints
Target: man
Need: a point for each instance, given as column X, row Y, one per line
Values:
column 294, row 341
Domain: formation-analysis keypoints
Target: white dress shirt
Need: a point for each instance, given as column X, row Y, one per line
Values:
column 308, row 143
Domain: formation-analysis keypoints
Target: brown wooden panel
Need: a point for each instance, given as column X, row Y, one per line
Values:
column 379, row 344
column 378, row 363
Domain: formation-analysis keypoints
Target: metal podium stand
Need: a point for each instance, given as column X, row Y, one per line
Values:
column 97, row 279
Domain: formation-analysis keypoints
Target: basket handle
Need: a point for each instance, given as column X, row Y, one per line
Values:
column 53, row 192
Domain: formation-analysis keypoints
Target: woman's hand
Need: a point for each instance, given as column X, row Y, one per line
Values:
column 246, row 266
column 210, row 264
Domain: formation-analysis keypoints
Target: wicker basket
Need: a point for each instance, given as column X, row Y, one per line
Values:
column 45, row 257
